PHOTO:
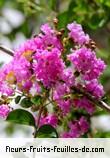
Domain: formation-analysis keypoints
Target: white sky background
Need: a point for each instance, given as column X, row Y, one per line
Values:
column 5, row 58
column 11, row 18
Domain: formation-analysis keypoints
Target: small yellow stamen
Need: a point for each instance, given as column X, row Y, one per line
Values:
column 28, row 55
column 10, row 77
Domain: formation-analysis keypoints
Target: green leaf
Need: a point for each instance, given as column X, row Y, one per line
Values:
column 63, row 19
column 37, row 100
column 97, row 21
column 17, row 99
column 21, row 116
column 26, row 103
column 47, row 131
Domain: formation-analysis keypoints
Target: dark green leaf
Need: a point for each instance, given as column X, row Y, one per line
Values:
column 26, row 103
column 17, row 99
column 47, row 131
column 37, row 100
column 21, row 116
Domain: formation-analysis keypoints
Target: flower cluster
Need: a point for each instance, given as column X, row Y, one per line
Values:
column 39, row 68
column 77, row 34
column 4, row 111
column 85, row 61
column 48, row 66
column 77, row 128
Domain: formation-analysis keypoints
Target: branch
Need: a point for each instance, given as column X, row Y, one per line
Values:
column 6, row 50
column 100, row 103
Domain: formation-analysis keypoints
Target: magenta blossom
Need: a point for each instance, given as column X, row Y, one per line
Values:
column 95, row 88
column 48, row 67
column 4, row 111
column 59, row 95
column 77, row 33
column 85, row 61
column 50, row 119
column 85, row 104
column 77, row 128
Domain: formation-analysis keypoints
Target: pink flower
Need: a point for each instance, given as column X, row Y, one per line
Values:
column 48, row 67
column 97, row 69
column 65, row 105
column 85, row 61
column 5, row 89
column 68, row 77
column 62, row 90
column 5, row 70
column 77, row 128
column 95, row 88
column 50, row 119
column 22, row 69
column 7, row 79
column 16, row 72
column 77, row 33
column 27, row 85
column 4, row 111
column 49, row 38
column 65, row 135
column 25, row 50
column 84, row 125
column 46, row 29
column 84, row 103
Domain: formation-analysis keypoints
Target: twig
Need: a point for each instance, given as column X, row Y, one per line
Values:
column 103, row 105
column 6, row 50
column 100, row 103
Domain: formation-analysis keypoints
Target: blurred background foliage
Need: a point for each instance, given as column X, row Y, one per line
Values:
column 21, row 19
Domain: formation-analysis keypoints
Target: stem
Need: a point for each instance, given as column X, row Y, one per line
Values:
column 51, row 101
column 38, row 121
column 6, row 50
column 39, row 116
